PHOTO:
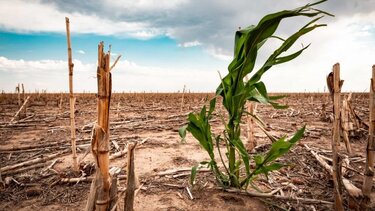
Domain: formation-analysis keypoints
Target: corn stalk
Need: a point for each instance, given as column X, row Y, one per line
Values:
column 18, row 90
column 100, row 190
column 72, row 99
column 236, row 91
column 336, row 171
column 369, row 170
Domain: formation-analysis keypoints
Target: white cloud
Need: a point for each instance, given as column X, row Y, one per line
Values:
column 129, row 76
column 219, row 53
column 22, row 66
column 144, row 34
column 348, row 39
column 81, row 52
column 190, row 44
column 42, row 66
column 34, row 16
column 146, row 4
column 339, row 42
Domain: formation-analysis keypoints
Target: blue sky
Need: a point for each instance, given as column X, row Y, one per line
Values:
column 167, row 44
column 158, row 51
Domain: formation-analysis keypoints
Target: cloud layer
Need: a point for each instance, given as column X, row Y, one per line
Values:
column 126, row 76
column 210, row 24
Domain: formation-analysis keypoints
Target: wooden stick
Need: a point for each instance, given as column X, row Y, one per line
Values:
column 352, row 190
column 182, row 98
column 113, row 192
column 60, row 102
column 189, row 192
column 72, row 99
column 369, row 169
column 336, row 137
column 30, row 162
column 344, row 123
column 288, row 198
column 86, row 179
column 270, row 136
column 20, row 170
column 114, row 64
column 118, row 154
column 19, row 94
column 23, row 111
column 124, row 151
column 175, row 171
column 35, row 147
column 114, row 171
column 18, row 112
column 130, row 188
column 122, row 192
column 90, row 204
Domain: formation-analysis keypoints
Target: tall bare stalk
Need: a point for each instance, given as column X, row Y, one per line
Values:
column 60, row 102
column 23, row 112
column 18, row 89
column 71, row 99
column 369, row 170
column 131, row 180
column 336, row 137
column 182, row 98
column 23, row 93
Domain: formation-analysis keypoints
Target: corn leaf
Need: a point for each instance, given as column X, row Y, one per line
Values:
column 182, row 132
column 281, row 146
column 193, row 175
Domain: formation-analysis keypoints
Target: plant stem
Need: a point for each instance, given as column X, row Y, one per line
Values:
column 232, row 155
column 72, row 99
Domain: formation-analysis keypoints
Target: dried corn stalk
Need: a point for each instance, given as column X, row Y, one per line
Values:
column 334, row 84
column 182, row 98
column 346, row 123
column 23, row 111
column 72, row 99
column 369, row 170
column 100, row 191
column 18, row 90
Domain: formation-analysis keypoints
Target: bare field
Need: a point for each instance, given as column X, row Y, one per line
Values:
column 153, row 120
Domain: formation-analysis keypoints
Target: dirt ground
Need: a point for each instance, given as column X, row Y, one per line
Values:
column 153, row 120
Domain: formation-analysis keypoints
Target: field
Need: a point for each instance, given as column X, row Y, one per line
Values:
column 153, row 120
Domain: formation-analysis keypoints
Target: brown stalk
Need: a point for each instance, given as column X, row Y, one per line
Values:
column 336, row 137
column 131, row 183
column 71, row 99
column 23, row 111
column 18, row 89
column 20, row 110
column 345, row 124
column 182, row 98
column 100, row 139
column 60, row 102
column 369, row 170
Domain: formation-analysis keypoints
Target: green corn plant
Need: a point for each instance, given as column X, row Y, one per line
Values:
column 235, row 91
